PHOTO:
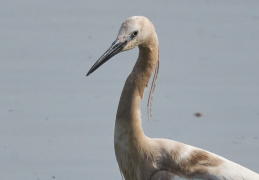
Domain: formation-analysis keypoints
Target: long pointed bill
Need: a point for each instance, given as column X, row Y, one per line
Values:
column 115, row 48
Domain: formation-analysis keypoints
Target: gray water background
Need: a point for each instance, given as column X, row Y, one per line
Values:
column 55, row 123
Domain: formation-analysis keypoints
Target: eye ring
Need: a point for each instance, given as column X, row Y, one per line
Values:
column 135, row 33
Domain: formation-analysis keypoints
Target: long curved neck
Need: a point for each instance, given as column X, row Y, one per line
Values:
column 128, row 120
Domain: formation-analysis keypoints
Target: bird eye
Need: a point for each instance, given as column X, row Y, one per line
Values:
column 135, row 33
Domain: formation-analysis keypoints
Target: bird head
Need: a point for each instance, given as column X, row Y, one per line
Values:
column 135, row 31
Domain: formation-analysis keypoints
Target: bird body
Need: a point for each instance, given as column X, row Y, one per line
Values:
column 143, row 158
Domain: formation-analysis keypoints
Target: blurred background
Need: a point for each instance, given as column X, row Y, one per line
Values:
column 56, row 123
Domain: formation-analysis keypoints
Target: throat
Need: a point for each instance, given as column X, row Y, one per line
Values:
column 128, row 119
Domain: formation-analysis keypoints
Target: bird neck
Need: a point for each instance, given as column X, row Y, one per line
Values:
column 128, row 120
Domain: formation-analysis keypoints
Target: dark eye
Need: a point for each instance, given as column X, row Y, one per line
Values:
column 135, row 33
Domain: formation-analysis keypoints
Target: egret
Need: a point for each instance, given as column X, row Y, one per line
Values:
column 140, row 157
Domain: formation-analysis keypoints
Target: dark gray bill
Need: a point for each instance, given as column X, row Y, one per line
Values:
column 115, row 48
